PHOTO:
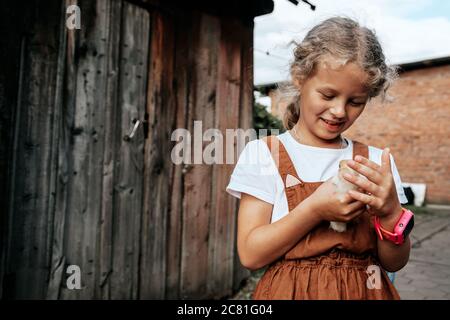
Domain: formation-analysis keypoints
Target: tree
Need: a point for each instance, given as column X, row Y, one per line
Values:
column 262, row 119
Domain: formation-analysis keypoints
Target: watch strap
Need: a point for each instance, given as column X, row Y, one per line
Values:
column 397, row 236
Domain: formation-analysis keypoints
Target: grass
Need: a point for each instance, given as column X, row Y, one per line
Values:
column 418, row 210
column 246, row 291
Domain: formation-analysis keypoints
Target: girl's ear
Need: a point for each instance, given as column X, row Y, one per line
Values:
column 297, row 83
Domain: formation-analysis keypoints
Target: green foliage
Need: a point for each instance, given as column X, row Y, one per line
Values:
column 262, row 119
column 418, row 210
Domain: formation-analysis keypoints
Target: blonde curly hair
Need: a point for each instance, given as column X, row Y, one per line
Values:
column 345, row 40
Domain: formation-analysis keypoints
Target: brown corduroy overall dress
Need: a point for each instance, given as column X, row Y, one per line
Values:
column 324, row 264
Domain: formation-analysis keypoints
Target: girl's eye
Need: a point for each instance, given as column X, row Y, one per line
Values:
column 327, row 97
column 356, row 104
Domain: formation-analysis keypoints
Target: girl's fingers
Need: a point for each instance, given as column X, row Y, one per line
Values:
column 356, row 205
column 367, row 162
column 386, row 160
column 369, row 171
column 363, row 183
column 346, row 199
column 356, row 214
column 370, row 200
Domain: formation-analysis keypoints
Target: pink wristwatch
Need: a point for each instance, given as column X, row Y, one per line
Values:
column 402, row 228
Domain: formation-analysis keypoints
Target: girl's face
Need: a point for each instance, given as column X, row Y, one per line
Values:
column 335, row 93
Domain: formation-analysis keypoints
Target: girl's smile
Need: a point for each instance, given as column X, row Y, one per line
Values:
column 331, row 125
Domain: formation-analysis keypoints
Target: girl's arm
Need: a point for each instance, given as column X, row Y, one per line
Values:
column 392, row 257
column 260, row 242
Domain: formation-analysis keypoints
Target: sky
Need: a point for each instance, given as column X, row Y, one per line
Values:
column 409, row 30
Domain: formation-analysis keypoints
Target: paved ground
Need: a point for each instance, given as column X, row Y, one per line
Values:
column 427, row 274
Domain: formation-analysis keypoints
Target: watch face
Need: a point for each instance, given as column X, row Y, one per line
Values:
column 408, row 227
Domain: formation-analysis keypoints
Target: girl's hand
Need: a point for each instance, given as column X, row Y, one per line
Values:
column 382, row 194
column 331, row 206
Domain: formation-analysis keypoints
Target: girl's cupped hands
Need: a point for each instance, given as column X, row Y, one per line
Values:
column 380, row 190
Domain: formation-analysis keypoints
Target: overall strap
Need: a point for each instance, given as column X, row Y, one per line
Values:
column 360, row 149
column 282, row 161
column 285, row 165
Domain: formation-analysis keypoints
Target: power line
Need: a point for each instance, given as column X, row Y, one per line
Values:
column 313, row 7
column 267, row 53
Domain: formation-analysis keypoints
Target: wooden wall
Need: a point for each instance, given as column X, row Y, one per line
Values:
column 76, row 192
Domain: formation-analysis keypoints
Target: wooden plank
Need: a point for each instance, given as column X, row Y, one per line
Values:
column 197, row 179
column 104, row 260
column 107, row 87
column 157, row 169
column 59, row 169
column 245, row 122
column 223, row 207
column 32, row 194
column 83, row 202
column 12, row 26
column 130, row 164
column 182, row 86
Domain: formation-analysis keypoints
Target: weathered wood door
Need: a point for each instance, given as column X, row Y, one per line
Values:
column 81, row 191
column 106, row 194
column 77, row 199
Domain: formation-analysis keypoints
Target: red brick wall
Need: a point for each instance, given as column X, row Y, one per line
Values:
column 416, row 127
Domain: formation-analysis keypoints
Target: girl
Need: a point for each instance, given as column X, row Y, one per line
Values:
column 284, row 181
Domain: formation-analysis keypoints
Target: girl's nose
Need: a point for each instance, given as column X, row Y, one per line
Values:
column 338, row 111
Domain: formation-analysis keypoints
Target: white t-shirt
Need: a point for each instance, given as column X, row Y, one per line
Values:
column 256, row 173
